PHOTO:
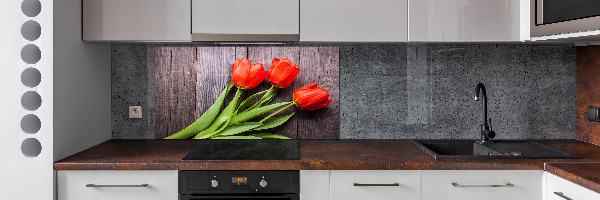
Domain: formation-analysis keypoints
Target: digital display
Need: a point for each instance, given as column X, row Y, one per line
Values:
column 239, row 180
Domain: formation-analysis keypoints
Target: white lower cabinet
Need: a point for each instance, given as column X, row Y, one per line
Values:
column 482, row 184
column 561, row 189
column 117, row 185
column 314, row 184
column 375, row 185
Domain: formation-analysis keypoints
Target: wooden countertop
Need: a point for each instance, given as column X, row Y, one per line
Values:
column 581, row 173
column 314, row 155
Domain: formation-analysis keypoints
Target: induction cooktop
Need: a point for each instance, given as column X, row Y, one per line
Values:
column 245, row 150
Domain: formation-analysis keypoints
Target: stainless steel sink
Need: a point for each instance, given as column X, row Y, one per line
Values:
column 492, row 149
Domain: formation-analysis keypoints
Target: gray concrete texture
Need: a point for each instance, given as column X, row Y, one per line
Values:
column 132, row 85
column 426, row 90
column 405, row 91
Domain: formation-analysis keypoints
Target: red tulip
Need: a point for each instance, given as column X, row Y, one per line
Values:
column 282, row 73
column 311, row 97
column 247, row 76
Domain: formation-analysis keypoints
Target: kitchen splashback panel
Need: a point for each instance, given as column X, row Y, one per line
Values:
column 394, row 90
column 189, row 79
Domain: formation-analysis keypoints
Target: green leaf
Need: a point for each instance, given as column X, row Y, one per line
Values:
column 205, row 120
column 250, row 114
column 274, row 122
column 237, row 138
column 265, row 99
column 270, row 136
column 238, row 128
column 245, row 102
column 220, row 120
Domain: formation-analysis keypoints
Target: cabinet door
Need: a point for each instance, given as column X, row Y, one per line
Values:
column 482, row 184
column 314, row 185
column 220, row 19
column 136, row 20
column 354, row 20
column 468, row 20
column 561, row 189
column 117, row 185
column 379, row 185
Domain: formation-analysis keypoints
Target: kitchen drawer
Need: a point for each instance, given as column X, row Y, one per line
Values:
column 162, row 185
column 569, row 190
column 314, row 185
column 482, row 184
column 407, row 185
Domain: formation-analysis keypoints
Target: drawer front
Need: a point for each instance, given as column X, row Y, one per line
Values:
column 117, row 185
column 482, row 184
column 379, row 185
column 566, row 190
column 314, row 185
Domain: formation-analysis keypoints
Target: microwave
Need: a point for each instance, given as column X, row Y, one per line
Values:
column 569, row 18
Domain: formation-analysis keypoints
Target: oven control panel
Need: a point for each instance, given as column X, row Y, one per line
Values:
column 223, row 182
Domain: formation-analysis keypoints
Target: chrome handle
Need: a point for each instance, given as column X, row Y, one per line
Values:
column 362, row 184
column 505, row 185
column 94, row 185
column 560, row 194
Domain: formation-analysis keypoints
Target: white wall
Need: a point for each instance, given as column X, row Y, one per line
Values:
column 82, row 84
column 24, row 177
column 75, row 93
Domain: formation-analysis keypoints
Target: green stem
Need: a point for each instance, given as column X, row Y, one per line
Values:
column 278, row 111
column 270, row 92
column 238, row 93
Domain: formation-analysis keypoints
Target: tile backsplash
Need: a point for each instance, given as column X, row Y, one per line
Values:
column 408, row 90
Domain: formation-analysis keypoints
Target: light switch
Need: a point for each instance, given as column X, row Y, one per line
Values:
column 135, row 112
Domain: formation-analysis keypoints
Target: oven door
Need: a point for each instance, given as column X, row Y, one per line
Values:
column 553, row 17
column 236, row 197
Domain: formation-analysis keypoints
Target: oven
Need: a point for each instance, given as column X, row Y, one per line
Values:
column 234, row 185
column 556, row 17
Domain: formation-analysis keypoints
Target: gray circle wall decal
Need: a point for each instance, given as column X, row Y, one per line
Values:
column 31, row 30
column 31, row 54
column 31, row 124
column 31, row 100
column 31, row 8
column 31, row 147
column 31, row 77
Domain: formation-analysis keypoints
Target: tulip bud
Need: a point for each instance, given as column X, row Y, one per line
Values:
column 247, row 76
column 282, row 72
column 311, row 97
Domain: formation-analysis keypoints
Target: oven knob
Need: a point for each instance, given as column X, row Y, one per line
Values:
column 263, row 183
column 214, row 183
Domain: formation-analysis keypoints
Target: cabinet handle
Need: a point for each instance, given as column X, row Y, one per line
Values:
column 362, row 184
column 560, row 194
column 94, row 185
column 505, row 185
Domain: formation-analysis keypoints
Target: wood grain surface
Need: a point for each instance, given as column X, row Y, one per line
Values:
column 374, row 154
column 581, row 173
column 189, row 79
column 588, row 92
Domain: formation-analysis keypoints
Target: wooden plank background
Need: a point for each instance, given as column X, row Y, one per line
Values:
column 189, row 79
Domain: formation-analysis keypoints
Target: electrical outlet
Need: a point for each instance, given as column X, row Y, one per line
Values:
column 135, row 112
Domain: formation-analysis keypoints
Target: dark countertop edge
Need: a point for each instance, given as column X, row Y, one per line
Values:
column 288, row 166
column 577, row 178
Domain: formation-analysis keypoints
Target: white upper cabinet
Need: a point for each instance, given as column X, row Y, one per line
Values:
column 468, row 20
column 136, row 20
column 244, row 20
column 354, row 20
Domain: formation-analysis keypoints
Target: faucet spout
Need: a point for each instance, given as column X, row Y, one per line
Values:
column 486, row 132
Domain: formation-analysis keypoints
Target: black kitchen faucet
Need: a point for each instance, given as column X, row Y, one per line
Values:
column 486, row 129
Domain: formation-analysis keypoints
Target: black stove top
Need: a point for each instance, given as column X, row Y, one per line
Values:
column 245, row 150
